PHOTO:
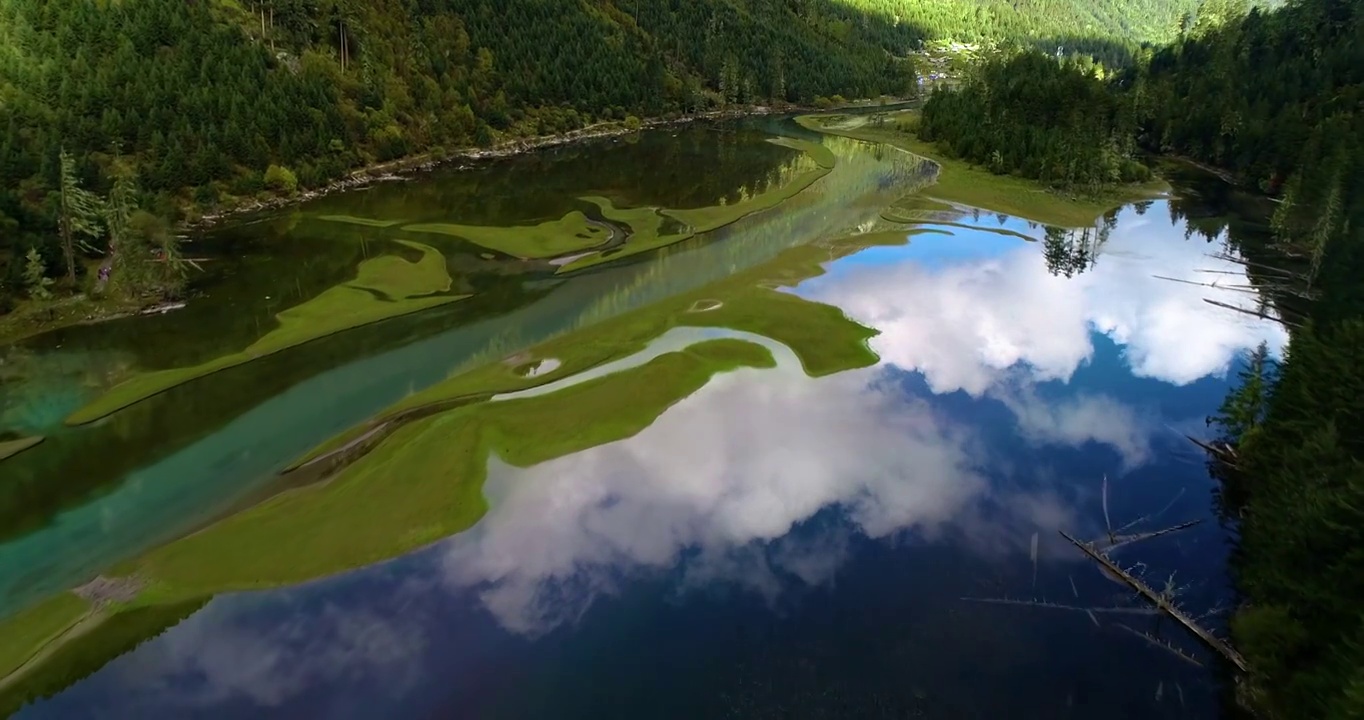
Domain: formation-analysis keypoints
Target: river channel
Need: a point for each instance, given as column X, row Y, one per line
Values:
column 764, row 450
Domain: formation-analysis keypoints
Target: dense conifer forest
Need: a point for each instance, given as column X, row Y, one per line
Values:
column 1029, row 115
column 197, row 104
column 1284, row 111
column 1275, row 100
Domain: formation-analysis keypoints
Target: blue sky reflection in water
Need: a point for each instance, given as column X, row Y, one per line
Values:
column 777, row 546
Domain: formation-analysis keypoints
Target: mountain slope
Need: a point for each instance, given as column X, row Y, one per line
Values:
column 203, row 97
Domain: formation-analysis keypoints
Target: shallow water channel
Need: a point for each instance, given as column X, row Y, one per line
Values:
column 812, row 463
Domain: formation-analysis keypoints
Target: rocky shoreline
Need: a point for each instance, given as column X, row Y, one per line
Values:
column 405, row 168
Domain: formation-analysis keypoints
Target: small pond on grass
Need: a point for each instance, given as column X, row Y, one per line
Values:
column 811, row 464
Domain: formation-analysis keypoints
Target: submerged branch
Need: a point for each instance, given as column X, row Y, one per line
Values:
column 1108, row 525
column 1062, row 606
column 1120, row 540
column 1162, row 644
column 1162, row 602
column 1235, row 288
column 1156, row 514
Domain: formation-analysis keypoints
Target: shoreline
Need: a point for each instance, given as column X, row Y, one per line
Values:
column 964, row 183
column 405, row 168
column 19, row 325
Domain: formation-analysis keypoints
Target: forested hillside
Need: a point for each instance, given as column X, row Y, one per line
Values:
column 218, row 99
column 1276, row 100
column 1032, row 116
column 1284, row 110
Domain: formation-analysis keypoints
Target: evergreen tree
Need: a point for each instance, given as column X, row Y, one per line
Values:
column 77, row 215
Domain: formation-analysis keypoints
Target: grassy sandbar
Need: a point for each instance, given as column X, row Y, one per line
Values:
column 30, row 631
column 10, row 448
column 646, row 234
column 570, row 233
column 366, row 222
column 425, row 481
column 409, row 287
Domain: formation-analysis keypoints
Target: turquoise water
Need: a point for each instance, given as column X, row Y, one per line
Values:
column 773, row 545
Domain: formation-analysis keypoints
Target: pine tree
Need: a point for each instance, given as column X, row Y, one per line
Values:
column 35, row 276
column 78, row 215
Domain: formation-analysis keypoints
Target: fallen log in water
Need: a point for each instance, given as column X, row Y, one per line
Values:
column 1161, row 602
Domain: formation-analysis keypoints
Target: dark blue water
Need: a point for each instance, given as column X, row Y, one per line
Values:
column 777, row 546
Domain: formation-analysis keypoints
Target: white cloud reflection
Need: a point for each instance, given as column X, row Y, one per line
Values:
column 742, row 460
column 720, row 480
column 224, row 653
column 963, row 325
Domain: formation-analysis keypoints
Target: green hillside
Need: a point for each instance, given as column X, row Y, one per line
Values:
column 202, row 98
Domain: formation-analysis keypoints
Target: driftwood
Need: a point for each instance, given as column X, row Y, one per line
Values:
column 1161, row 602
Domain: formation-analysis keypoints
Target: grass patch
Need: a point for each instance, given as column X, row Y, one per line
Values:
column 409, row 287
column 10, row 448
column 570, row 233
column 399, row 279
column 25, row 634
column 425, row 481
column 353, row 220
column 645, row 225
column 823, row 156
column 821, row 336
column 84, row 654
column 966, row 184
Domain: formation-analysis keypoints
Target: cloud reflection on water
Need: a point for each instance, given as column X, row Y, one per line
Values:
column 221, row 653
column 717, row 484
column 964, row 324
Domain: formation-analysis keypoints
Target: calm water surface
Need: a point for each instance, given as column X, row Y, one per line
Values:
column 771, row 546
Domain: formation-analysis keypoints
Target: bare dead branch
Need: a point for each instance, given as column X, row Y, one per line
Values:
column 1162, row 644
column 1254, row 313
column 1121, row 540
column 1156, row 514
column 1161, row 602
column 1119, row 610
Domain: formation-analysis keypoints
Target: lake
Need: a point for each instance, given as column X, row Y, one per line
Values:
column 758, row 448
